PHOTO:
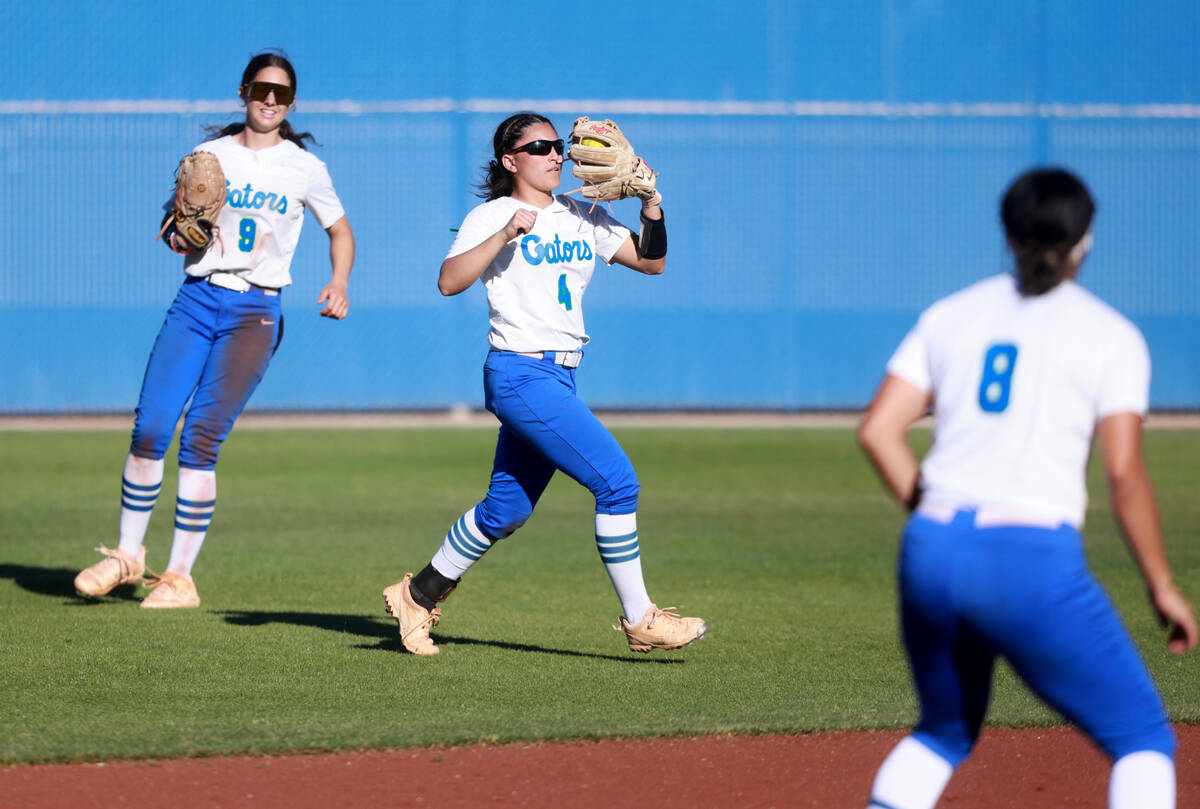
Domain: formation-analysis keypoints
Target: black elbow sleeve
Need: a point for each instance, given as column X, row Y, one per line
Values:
column 652, row 242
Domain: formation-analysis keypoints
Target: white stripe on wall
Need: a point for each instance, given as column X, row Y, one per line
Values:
column 799, row 109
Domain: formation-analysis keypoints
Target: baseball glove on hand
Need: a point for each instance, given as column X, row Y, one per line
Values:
column 199, row 197
column 605, row 161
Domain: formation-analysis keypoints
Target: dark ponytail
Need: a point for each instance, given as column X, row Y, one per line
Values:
column 498, row 181
column 271, row 58
column 1046, row 213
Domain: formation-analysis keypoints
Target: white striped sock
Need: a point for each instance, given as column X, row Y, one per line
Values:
column 141, row 481
column 617, row 542
column 194, row 507
column 463, row 546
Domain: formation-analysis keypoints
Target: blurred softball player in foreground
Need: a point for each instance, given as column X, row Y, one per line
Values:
column 1020, row 371
column 225, row 323
column 535, row 253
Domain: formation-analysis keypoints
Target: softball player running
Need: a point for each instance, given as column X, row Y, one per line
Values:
column 535, row 253
column 1020, row 372
column 223, row 328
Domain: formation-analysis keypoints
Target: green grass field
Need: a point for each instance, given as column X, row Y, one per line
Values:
column 782, row 539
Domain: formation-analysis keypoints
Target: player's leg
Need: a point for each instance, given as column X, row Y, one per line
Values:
column 536, row 400
column 179, row 354
column 194, row 504
column 519, row 476
column 951, row 667
column 1074, row 652
column 141, row 483
column 246, row 337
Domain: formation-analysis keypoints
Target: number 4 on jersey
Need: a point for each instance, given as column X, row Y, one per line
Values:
column 564, row 294
column 996, row 382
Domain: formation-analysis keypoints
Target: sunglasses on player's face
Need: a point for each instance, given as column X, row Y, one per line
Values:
column 259, row 90
column 540, row 148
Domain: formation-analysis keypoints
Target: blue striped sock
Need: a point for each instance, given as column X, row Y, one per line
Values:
column 617, row 542
column 193, row 515
column 463, row 546
column 614, row 550
column 139, row 498
column 194, row 507
column 141, row 482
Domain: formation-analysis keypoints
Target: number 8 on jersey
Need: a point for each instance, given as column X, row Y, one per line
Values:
column 996, row 382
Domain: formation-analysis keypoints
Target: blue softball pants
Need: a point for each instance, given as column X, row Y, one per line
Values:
column 968, row 594
column 543, row 427
column 214, row 347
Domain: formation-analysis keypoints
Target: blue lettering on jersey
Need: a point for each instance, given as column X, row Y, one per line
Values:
column 249, row 198
column 554, row 252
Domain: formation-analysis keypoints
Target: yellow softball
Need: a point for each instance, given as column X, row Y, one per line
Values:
column 591, row 142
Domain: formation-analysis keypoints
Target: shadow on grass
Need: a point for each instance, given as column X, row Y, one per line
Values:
column 334, row 622
column 448, row 640
column 59, row 582
column 383, row 631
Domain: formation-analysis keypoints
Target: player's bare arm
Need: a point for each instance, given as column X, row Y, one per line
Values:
column 459, row 272
column 628, row 256
column 341, row 257
column 1134, row 506
column 897, row 405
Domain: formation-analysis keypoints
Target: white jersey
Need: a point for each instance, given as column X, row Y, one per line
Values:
column 1018, row 385
column 535, row 284
column 267, row 191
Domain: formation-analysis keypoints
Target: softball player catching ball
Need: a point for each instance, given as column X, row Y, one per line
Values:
column 223, row 327
column 1020, row 372
column 535, row 253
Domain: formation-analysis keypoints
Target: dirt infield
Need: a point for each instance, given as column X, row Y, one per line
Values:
column 1029, row 769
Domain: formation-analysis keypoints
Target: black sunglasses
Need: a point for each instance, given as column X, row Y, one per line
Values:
column 539, row 147
column 259, row 90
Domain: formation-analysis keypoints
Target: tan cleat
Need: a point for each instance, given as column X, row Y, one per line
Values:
column 171, row 591
column 661, row 629
column 415, row 621
column 115, row 569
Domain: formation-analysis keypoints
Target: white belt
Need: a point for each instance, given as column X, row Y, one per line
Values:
column 227, row 280
column 989, row 516
column 567, row 359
